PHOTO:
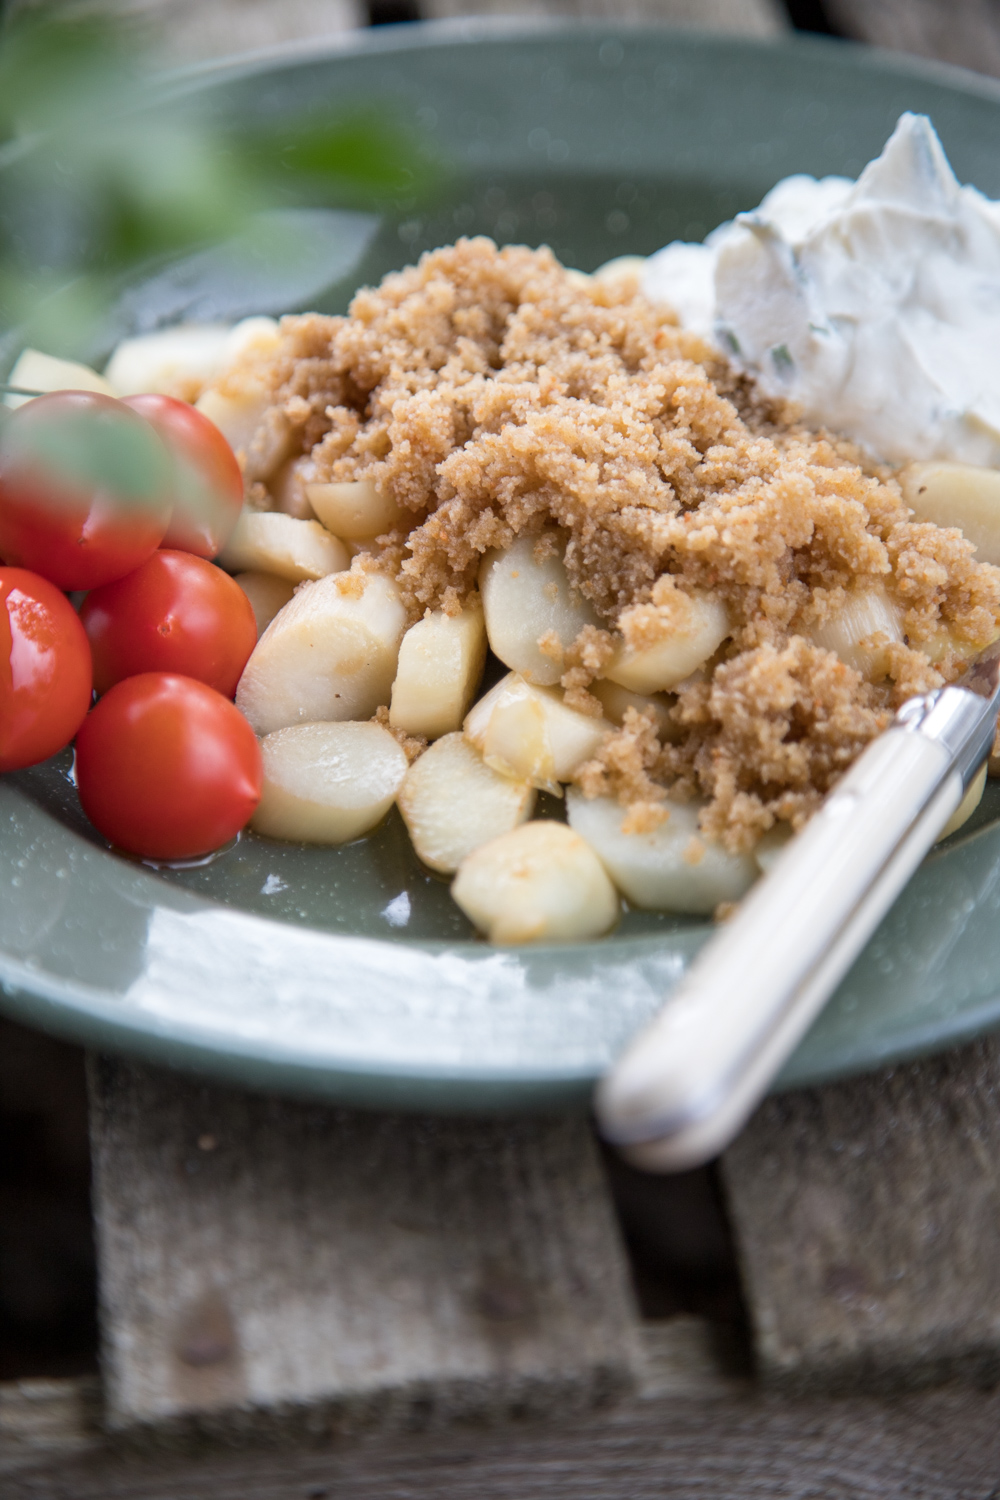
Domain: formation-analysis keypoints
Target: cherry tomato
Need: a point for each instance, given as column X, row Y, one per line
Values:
column 84, row 488
column 45, row 673
column 175, row 613
column 207, row 486
column 166, row 767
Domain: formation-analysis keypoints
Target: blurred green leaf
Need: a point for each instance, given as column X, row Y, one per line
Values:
column 101, row 172
column 362, row 152
column 56, row 67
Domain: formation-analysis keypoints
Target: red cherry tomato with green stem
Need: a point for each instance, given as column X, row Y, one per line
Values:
column 45, row 673
column 207, row 484
column 84, row 488
column 167, row 768
column 175, row 613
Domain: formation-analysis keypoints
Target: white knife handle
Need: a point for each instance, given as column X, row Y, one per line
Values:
column 683, row 1088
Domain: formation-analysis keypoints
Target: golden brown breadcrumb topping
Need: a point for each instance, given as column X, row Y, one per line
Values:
column 494, row 394
column 412, row 745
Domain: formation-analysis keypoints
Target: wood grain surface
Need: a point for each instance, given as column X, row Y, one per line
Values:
column 867, row 1218
column 193, row 30
column 335, row 1268
column 966, row 32
column 739, row 17
column 735, row 1445
column 198, row 30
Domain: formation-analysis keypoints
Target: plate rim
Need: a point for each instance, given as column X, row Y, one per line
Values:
column 413, row 36
column 78, row 1012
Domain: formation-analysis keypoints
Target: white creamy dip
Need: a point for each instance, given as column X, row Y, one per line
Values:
column 874, row 305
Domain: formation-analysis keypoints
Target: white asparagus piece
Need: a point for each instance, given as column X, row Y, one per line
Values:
column 655, row 668
column 330, row 654
column 963, row 495
column 963, row 812
column 540, row 883
column 452, row 803
column 769, row 846
column 943, row 642
column 672, row 868
column 158, row 361
column 191, row 351
column 35, row 371
column 441, row 660
column 615, row 699
column 287, row 488
column 265, row 541
column 528, row 733
column 621, row 268
column 355, row 509
column 267, row 594
column 525, row 600
column 258, row 432
column 327, row 783
column 258, row 334
column 860, row 630
column 237, row 417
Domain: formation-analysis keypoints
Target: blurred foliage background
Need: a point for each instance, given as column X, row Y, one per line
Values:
column 104, row 176
column 107, row 168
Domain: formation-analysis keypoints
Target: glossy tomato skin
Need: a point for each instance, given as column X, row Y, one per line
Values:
column 84, row 489
column 207, row 483
column 45, row 672
column 166, row 767
column 175, row 613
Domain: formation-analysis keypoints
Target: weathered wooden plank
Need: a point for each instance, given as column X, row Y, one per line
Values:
column 45, row 1421
column 740, row 17
column 189, row 30
column 690, row 1356
column 193, row 31
column 329, row 1267
column 966, row 32
column 681, row 1357
column 42, row 1419
column 940, row 1445
column 867, row 1217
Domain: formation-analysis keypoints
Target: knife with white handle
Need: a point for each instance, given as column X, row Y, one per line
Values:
column 684, row 1087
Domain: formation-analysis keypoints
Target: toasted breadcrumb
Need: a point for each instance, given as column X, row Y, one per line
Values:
column 351, row 584
column 645, row 817
column 694, row 851
column 412, row 745
column 493, row 394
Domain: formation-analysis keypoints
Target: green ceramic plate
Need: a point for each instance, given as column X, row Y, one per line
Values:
column 349, row 973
